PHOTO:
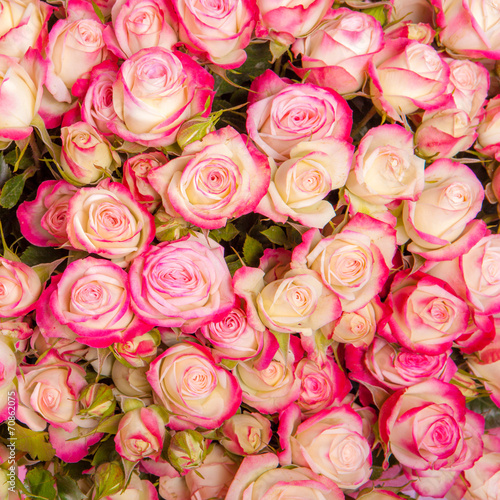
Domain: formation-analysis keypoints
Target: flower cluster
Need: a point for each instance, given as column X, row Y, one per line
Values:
column 250, row 249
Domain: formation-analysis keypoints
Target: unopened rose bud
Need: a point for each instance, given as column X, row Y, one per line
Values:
column 195, row 129
column 187, row 450
column 108, row 479
column 170, row 228
column 139, row 351
column 97, row 400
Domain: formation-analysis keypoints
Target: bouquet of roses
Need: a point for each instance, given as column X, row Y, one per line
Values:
column 250, row 249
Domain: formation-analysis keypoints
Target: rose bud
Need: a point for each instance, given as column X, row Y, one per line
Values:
column 108, row 479
column 140, row 434
column 195, row 130
column 246, row 433
column 170, row 228
column 187, row 450
column 140, row 350
column 137, row 489
column 97, row 400
column 86, row 156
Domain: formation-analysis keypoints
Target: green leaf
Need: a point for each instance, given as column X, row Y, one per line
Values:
column 252, row 251
column 110, row 424
column 275, row 235
column 34, row 255
column 226, row 233
column 11, row 191
column 46, row 269
column 67, row 489
column 41, row 483
column 98, row 12
column 54, row 149
column 5, row 172
column 35, row 443
column 379, row 13
column 105, row 452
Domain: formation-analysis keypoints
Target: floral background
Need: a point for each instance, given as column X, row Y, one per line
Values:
column 250, row 249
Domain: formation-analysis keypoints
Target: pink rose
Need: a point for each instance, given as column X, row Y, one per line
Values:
column 469, row 27
column 23, row 24
column 219, row 34
column 445, row 133
column 156, row 91
column 354, row 263
column 330, row 443
column 139, row 351
column 299, row 185
column 406, row 76
column 107, row 220
column 97, row 105
column 43, row 221
column 140, row 24
column 193, row 388
column 21, row 95
column 282, row 114
column 93, row 299
column 246, row 433
column 385, row 168
column 427, row 316
column 432, row 434
column 140, row 435
column 215, row 179
column 259, row 478
column 183, row 283
column 421, row 32
column 488, row 140
column 48, row 393
column 8, row 365
column 285, row 20
column 86, row 156
column 337, row 54
column 74, row 47
column 451, row 198
column 321, row 387
column 20, row 288
column 136, row 172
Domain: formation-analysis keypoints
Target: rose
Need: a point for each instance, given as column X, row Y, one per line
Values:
column 246, row 433
column 93, row 299
column 330, row 443
column 136, row 178
column 21, row 94
column 155, row 92
column 321, row 387
column 20, row 288
column 86, row 156
column 140, row 435
column 258, row 478
column 488, row 140
column 282, row 114
column 220, row 177
column 299, row 185
column 336, row 54
column 285, row 20
column 427, row 316
column 431, row 433
column 451, row 198
column 405, row 76
column 233, row 337
column 43, row 220
column 379, row 494
column 299, row 302
column 107, row 220
column 445, row 133
column 183, row 283
column 74, row 47
column 131, row 382
column 469, row 28
column 8, row 365
column 269, row 388
column 385, row 168
column 73, row 446
column 187, row 450
column 189, row 384
column 23, row 24
column 140, row 24
column 421, row 32
column 48, row 393
column 140, row 350
column 97, row 105
column 469, row 84
column 354, row 263
column 397, row 367
column 218, row 32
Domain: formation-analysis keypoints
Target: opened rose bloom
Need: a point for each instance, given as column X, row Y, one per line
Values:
column 189, row 384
